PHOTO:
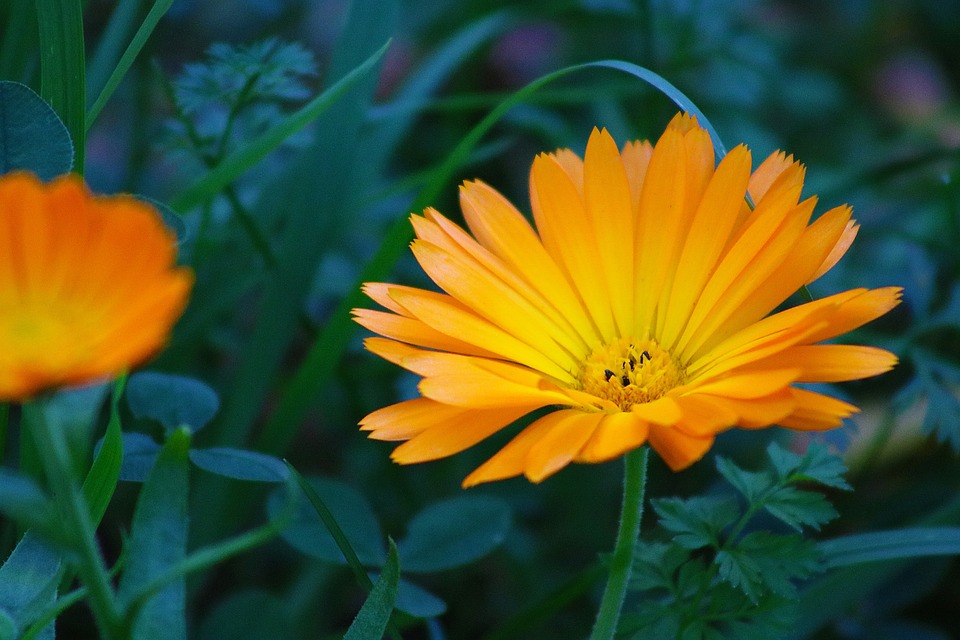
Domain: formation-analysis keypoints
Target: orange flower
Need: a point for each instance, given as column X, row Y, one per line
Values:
column 637, row 309
column 88, row 286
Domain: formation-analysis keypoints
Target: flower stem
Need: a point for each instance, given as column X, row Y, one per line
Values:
column 55, row 457
column 634, row 482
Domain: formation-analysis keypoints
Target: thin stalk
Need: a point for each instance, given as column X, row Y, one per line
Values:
column 4, row 428
column 76, row 514
column 634, row 483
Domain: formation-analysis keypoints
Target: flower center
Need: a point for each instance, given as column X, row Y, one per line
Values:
column 629, row 372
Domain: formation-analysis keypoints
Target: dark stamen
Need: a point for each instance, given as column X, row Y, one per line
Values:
column 625, row 380
column 645, row 354
column 633, row 362
column 607, row 374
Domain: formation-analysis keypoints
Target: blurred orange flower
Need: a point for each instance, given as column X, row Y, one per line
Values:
column 637, row 310
column 88, row 284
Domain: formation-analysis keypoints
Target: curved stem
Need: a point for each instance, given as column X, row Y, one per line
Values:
column 634, row 482
column 76, row 518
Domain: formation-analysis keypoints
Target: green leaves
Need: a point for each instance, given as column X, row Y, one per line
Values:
column 28, row 584
column 725, row 572
column 179, row 401
column 158, row 541
column 32, row 136
column 62, row 64
column 777, row 493
column 454, row 532
column 696, row 522
column 353, row 514
column 443, row 536
column 171, row 400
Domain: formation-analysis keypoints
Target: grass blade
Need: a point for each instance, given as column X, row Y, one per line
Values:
column 101, row 480
column 159, row 8
column 62, row 63
column 899, row 544
column 374, row 615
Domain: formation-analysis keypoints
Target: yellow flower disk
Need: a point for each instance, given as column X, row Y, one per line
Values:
column 88, row 284
column 637, row 307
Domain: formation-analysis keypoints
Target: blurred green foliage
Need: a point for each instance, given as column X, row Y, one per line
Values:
column 864, row 93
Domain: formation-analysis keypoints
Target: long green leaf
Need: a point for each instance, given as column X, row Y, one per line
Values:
column 62, row 64
column 18, row 38
column 374, row 615
column 28, row 581
column 336, row 531
column 113, row 40
column 899, row 544
column 158, row 542
column 252, row 152
column 101, row 480
column 313, row 373
column 159, row 8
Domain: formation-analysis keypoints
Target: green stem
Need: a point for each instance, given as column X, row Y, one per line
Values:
column 76, row 514
column 634, row 482
column 4, row 427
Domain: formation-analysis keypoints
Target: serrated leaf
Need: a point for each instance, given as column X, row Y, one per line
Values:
column 352, row 512
column 239, row 464
column 766, row 562
column 798, row 508
column 32, row 136
column 740, row 571
column 816, row 465
column 696, row 522
column 749, row 483
column 171, row 400
column 374, row 615
column 654, row 621
column 454, row 532
column 937, row 385
column 158, row 542
column 655, row 565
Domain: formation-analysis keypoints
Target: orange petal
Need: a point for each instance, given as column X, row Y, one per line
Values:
column 768, row 171
column 511, row 460
column 838, row 251
column 709, row 231
column 504, row 231
column 816, row 412
column 608, row 206
column 663, row 410
column 661, row 217
column 569, row 432
column 414, row 331
column 746, row 384
column 759, row 413
column 455, row 434
column 636, row 158
column 678, row 449
column 834, row 362
column 704, row 416
column 404, row 420
column 616, row 434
